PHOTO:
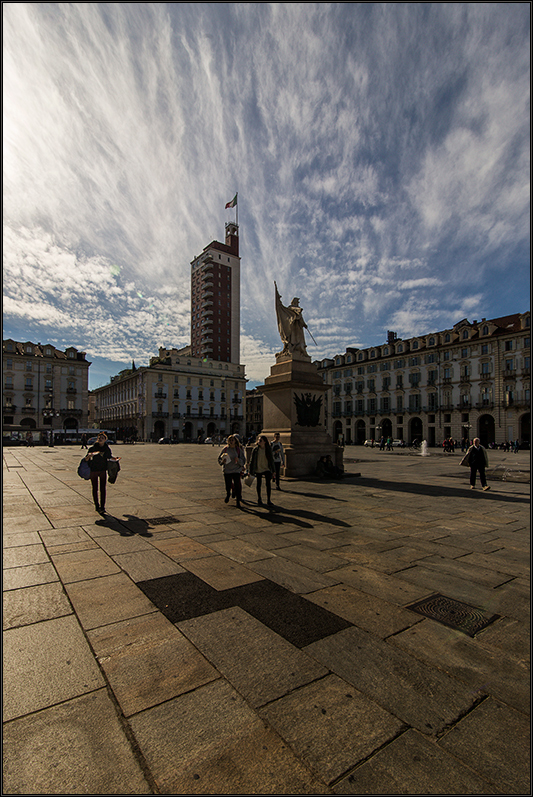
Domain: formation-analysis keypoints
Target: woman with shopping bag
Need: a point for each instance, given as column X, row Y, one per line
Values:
column 232, row 459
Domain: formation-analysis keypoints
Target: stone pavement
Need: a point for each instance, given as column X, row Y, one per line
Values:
column 183, row 646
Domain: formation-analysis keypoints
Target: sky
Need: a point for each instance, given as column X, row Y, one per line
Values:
column 380, row 152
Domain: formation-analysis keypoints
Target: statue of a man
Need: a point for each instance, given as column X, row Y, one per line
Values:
column 291, row 326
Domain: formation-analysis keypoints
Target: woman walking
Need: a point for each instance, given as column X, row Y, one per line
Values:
column 98, row 457
column 278, row 455
column 232, row 459
column 262, row 464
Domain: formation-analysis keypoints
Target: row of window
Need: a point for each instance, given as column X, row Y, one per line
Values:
column 399, row 348
column 447, row 374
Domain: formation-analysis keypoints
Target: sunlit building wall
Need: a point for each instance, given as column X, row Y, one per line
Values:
column 472, row 380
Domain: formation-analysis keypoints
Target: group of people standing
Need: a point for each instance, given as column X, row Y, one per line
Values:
column 265, row 464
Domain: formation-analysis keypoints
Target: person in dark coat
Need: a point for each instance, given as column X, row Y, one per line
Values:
column 98, row 457
column 477, row 459
column 262, row 464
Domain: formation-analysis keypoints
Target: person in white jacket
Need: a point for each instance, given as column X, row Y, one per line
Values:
column 233, row 459
column 278, row 455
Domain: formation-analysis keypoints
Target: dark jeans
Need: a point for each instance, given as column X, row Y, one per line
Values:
column 233, row 480
column 268, row 483
column 99, row 475
column 277, row 465
column 482, row 477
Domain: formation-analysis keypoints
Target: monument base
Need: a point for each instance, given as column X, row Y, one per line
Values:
column 294, row 405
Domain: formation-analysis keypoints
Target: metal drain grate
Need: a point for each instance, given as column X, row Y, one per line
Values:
column 454, row 614
column 161, row 521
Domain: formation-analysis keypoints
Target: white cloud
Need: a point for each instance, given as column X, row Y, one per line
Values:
column 380, row 154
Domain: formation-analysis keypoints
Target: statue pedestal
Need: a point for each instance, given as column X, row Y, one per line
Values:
column 293, row 405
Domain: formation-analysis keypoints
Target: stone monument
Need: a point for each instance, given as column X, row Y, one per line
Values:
column 294, row 397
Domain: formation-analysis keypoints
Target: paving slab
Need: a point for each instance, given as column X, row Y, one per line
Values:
column 33, row 604
column 494, row 740
column 93, row 606
column 382, row 585
column 221, row 573
column 365, row 611
column 140, row 565
column 77, row 747
column 148, row 661
column 419, row 695
column 22, row 556
column 331, row 725
column 44, row 664
column 28, row 576
column 492, row 672
column 291, row 575
column 182, row 548
column 256, row 661
column 412, row 764
column 211, row 742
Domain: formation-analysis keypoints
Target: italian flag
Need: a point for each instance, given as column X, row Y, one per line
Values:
column 232, row 203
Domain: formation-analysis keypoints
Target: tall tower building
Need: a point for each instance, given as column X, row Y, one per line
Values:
column 215, row 299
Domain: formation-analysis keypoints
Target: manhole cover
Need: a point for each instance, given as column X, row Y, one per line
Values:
column 161, row 521
column 454, row 614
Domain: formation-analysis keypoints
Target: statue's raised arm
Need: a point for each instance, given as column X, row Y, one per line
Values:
column 291, row 326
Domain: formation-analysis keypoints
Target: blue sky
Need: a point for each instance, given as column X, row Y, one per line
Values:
column 380, row 152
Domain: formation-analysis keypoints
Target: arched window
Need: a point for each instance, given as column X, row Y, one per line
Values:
column 415, row 344
column 447, row 337
column 465, row 334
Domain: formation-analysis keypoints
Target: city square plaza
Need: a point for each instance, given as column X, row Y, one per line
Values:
column 368, row 635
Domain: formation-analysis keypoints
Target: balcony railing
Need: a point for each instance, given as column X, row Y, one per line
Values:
column 159, row 414
column 160, row 395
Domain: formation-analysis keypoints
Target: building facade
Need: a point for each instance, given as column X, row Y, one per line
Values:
column 45, row 389
column 472, row 380
column 178, row 396
column 254, row 412
column 215, row 300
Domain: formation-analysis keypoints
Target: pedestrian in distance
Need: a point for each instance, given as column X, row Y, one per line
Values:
column 233, row 460
column 98, row 457
column 262, row 465
column 278, row 455
column 477, row 459
column 84, row 441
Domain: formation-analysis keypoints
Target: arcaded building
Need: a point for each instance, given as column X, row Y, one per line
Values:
column 45, row 389
column 178, row 396
column 472, row 380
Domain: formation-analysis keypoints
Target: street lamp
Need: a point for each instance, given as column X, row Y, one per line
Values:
column 51, row 414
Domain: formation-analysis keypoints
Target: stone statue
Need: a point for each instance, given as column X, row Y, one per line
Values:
column 291, row 326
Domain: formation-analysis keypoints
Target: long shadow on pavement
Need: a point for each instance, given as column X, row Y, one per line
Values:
column 438, row 490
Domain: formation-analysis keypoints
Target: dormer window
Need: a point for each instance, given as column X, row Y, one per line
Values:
column 465, row 334
column 432, row 341
column 447, row 337
column 485, row 330
column 415, row 344
column 29, row 349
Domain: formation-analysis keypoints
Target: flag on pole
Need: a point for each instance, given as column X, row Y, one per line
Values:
column 232, row 203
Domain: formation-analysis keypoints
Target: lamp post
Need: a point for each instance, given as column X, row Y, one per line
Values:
column 51, row 414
